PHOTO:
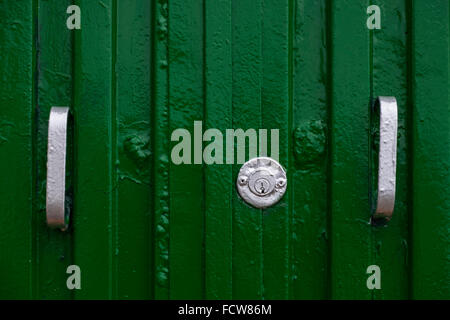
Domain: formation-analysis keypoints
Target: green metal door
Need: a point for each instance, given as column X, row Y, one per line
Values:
column 146, row 228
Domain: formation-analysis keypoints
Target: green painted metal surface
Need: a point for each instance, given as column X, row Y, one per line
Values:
column 146, row 228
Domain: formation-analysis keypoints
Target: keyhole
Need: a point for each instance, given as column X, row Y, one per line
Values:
column 261, row 190
column 262, row 186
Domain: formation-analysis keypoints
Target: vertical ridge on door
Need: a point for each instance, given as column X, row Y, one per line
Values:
column 247, row 82
column 186, row 180
column 161, row 149
column 431, row 150
column 54, row 76
column 309, row 150
column 16, row 150
column 275, row 115
column 94, row 188
column 133, row 167
column 390, row 243
column 219, row 180
column 350, row 210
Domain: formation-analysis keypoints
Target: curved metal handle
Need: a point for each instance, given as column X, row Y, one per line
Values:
column 387, row 163
column 56, row 168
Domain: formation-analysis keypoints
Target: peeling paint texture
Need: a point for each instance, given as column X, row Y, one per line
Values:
column 310, row 143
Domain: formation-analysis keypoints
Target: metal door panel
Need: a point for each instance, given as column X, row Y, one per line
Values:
column 146, row 228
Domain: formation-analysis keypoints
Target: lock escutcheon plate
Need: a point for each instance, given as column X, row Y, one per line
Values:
column 262, row 182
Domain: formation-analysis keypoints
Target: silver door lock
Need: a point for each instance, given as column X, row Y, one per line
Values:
column 261, row 182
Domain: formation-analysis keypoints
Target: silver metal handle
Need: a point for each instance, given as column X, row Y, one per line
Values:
column 56, row 168
column 387, row 163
